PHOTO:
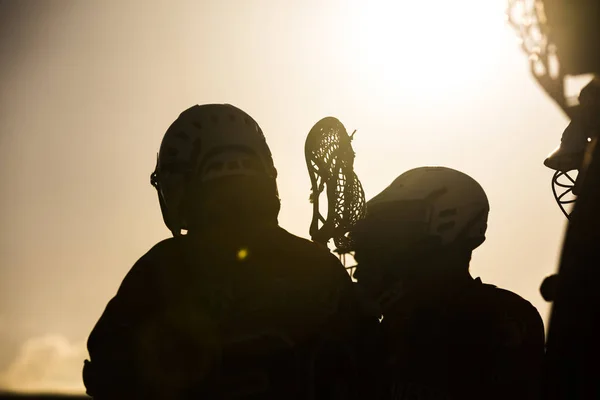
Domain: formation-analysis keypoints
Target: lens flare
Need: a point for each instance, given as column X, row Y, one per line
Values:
column 242, row 254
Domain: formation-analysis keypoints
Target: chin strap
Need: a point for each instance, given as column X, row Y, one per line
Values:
column 330, row 162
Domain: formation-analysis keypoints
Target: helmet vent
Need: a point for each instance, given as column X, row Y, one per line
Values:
column 197, row 125
column 447, row 213
column 436, row 194
column 196, row 148
column 182, row 135
column 252, row 164
column 446, row 226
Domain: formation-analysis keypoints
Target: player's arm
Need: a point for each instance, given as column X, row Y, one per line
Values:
column 111, row 371
column 351, row 329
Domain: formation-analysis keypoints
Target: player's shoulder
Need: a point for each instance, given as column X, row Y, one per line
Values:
column 505, row 297
column 165, row 250
column 510, row 305
column 302, row 247
column 312, row 257
column 286, row 236
column 153, row 261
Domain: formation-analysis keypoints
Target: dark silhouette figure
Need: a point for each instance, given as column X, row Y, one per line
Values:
column 237, row 308
column 445, row 334
column 565, row 44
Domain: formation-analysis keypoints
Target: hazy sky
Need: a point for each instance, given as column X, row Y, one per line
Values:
column 87, row 89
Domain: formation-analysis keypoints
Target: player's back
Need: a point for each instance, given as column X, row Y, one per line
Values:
column 477, row 341
column 254, row 304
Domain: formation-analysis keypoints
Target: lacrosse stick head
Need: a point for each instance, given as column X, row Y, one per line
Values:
column 330, row 162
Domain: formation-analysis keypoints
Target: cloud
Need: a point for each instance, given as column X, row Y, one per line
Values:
column 46, row 364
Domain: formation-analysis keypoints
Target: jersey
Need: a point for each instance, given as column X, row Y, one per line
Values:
column 248, row 315
column 476, row 342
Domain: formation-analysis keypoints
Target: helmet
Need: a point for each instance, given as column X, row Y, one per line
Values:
column 568, row 158
column 206, row 143
column 565, row 160
column 426, row 205
column 584, row 125
column 569, row 154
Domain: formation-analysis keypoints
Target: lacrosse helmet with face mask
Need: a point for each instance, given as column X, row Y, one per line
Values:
column 204, row 144
column 423, row 211
column 569, row 157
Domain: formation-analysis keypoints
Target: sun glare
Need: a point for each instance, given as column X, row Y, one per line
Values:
column 422, row 48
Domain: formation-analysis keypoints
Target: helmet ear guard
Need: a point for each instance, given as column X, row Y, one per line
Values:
column 168, row 218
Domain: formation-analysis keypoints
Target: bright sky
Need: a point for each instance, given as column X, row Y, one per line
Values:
column 88, row 89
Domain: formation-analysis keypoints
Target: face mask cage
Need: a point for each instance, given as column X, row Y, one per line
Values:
column 563, row 183
column 391, row 229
